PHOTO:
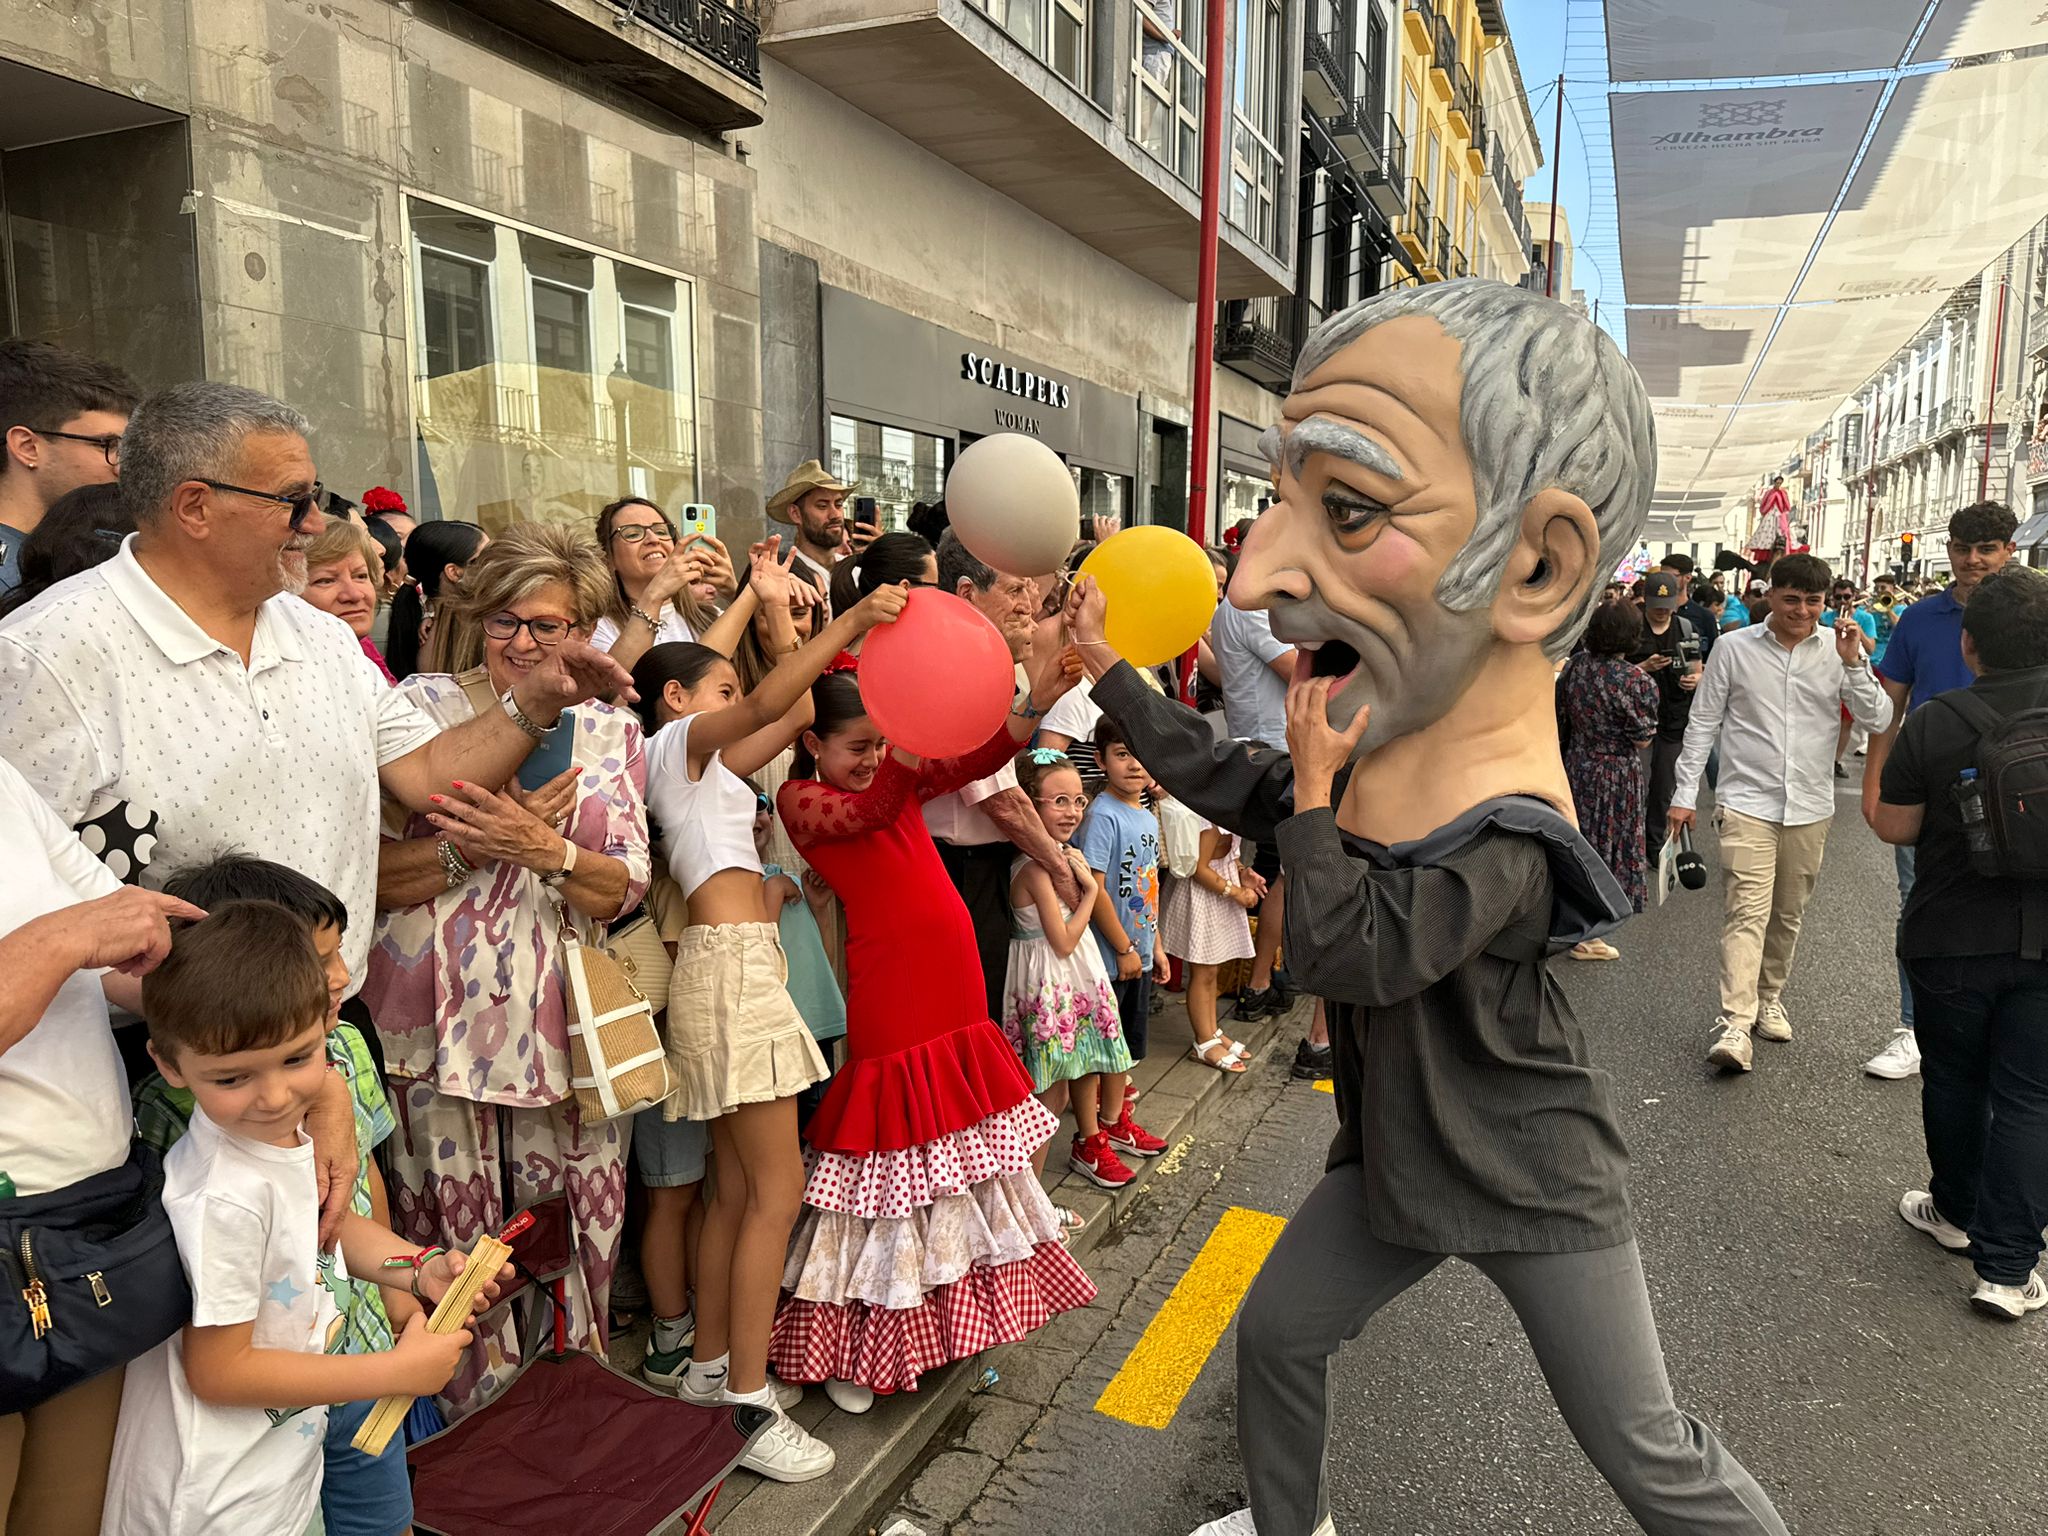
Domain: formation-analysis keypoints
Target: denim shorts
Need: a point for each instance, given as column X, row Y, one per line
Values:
column 362, row 1495
column 670, row 1152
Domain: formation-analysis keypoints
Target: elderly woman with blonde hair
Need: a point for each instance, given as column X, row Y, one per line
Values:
column 466, row 981
column 345, row 577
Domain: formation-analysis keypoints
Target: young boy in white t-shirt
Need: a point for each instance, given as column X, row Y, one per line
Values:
column 221, row 1426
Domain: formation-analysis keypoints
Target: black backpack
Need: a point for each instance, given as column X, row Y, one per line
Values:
column 2004, row 799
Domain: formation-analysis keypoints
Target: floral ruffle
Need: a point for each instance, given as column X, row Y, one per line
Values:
column 883, row 1184
column 897, row 1260
column 888, row 1349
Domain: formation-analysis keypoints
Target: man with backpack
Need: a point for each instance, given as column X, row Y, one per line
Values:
column 1672, row 652
column 1924, row 657
column 1966, row 787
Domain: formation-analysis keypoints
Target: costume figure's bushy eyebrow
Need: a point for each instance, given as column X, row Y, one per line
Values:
column 1319, row 434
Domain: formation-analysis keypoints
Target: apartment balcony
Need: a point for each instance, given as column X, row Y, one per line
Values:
column 1463, row 103
column 1439, row 259
column 946, row 77
column 1481, row 143
column 699, row 60
column 1357, row 135
column 1954, row 416
column 1385, row 178
column 1414, row 230
column 1493, row 20
column 1443, row 56
column 1459, row 266
column 2037, row 461
column 1418, row 19
column 1326, row 73
column 1260, row 338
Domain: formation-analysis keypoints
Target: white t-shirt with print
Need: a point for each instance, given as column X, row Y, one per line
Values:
column 671, row 626
column 64, row 1112
column 247, row 1219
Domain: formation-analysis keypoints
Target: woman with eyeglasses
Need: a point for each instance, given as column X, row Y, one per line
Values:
column 465, row 979
column 662, row 591
column 436, row 555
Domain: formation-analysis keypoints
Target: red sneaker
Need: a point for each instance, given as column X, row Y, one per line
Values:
column 1129, row 1136
column 1094, row 1159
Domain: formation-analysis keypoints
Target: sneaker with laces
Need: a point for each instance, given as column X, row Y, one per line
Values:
column 787, row 1393
column 1771, row 1023
column 1312, row 1063
column 1096, row 1161
column 1130, row 1137
column 2010, row 1302
column 786, row 1452
column 666, row 1367
column 1731, row 1050
column 1255, row 1003
column 1239, row 1523
column 1898, row 1060
column 1917, row 1210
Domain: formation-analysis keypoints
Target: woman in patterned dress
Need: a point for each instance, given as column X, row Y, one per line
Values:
column 465, row 979
column 1611, row 711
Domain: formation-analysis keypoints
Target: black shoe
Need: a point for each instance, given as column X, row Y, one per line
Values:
column 1311, row 1062
column 1256, row 1003
column 1841, row 772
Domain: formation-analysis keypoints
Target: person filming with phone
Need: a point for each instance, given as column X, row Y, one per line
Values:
column 664, row 587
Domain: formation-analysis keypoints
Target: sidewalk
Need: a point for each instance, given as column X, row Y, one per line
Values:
column 878, row 1449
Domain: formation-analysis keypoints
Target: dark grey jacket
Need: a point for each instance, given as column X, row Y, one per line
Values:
column 1463, row 1083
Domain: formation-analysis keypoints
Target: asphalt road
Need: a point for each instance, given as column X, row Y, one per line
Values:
column 1830, row 1346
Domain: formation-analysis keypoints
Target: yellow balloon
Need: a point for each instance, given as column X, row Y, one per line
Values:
column 1161, row 590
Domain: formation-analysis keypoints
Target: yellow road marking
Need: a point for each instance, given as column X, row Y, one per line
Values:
column 1325, row 1085
column 1147, row 1389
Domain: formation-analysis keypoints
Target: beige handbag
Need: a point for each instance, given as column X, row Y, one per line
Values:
column 644, row 960
column 618, row 1063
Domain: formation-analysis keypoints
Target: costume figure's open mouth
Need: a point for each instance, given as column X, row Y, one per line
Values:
column 1329, row 658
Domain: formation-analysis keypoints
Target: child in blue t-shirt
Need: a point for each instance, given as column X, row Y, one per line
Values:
column 1120, row 841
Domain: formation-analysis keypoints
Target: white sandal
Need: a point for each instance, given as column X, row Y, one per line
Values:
column 1232, row 1060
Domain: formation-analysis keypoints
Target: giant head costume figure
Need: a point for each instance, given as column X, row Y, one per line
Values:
column 1458, row 466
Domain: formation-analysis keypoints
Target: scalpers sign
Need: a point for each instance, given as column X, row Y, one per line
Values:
column 990, row 374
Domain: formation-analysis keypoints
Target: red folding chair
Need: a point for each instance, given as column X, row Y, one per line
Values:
column 572, row 1444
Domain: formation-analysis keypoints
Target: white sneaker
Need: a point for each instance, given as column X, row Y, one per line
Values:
column 786, row 1452
column 1771, row 1023
column 2010, row 1301
column 787, row 1393
column 850, row 1396
column 1899, row 1059
column 1732, row 1050
column 1917, row 1209
column 1239, row 1523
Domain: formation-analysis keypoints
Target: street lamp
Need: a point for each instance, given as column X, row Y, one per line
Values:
column 620, row 387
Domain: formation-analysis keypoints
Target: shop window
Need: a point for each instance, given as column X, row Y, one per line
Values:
column 1167, row 70
column 1103, row 495
column 552, row 377
column 896, row 466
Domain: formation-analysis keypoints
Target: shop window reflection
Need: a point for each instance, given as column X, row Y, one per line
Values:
column 894, row 465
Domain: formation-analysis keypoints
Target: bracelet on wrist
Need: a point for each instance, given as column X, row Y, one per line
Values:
column 644, row 618
column 1026, row 710
column 454, row 867
column 418, row 1259
column 520, row 718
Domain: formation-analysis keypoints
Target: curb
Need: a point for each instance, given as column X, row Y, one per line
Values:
column 878, row 1450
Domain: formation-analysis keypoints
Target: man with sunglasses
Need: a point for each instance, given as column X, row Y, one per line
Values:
column 182, row 687
column 63, row 415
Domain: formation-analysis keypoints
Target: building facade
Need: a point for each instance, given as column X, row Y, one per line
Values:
column 983, row 216
column 502, row 254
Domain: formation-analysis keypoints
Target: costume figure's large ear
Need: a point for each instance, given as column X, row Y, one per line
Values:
column 1552, row 566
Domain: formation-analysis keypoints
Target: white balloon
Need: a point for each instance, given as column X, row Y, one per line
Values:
column 1013, row 504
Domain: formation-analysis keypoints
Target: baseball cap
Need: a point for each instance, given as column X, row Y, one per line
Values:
column 1660, row 590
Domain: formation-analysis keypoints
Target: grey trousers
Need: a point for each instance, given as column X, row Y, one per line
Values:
column 1587, row 1317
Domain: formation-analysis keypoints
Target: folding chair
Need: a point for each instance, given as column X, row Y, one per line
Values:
column 571, row 1444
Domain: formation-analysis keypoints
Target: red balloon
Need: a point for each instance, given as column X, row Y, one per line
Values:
column 939, row 680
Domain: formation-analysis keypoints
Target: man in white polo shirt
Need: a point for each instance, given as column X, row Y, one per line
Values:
column 178, row 701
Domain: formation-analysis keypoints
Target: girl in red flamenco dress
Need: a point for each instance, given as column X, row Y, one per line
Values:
column 925, row 1236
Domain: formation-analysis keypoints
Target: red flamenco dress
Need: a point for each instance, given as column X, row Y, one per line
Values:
column 925, row 1235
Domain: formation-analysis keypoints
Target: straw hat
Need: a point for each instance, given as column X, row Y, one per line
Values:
column 806, row 477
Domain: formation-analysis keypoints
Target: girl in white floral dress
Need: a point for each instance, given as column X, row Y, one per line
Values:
column 1058, row 1007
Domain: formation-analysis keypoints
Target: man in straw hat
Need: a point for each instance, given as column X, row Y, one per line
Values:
column 814, row 504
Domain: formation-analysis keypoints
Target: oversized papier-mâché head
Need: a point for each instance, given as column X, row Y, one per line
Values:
column 1458, row 467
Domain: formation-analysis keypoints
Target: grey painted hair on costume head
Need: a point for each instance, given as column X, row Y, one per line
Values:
column 1548, row 402
column 193, row 431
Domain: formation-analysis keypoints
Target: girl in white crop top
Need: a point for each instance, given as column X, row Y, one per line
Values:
column 738, row 1049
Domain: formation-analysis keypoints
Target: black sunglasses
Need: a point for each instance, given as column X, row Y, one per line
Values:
column 302, row 506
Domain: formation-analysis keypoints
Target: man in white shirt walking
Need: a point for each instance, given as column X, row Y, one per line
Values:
column 1772, row 696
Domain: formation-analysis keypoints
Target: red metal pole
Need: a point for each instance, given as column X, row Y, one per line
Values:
column 1556, row 164
column 1215, row 54
column 1991, row 394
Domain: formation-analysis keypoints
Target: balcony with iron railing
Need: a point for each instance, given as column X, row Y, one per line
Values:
column 1259, row 338
column 1418, row 18
column 1387, row 177
column 1439, row 259
column 1462, row 100
column 1413, row 232
column 1458, row 267
column 1481, row 142
column 1954, row 416
column 1443, row 55
column 1326, row 61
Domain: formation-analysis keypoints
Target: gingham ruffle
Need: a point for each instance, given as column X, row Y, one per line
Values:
column 887, row 1349
column 894, row 1261
column 878, row 1185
